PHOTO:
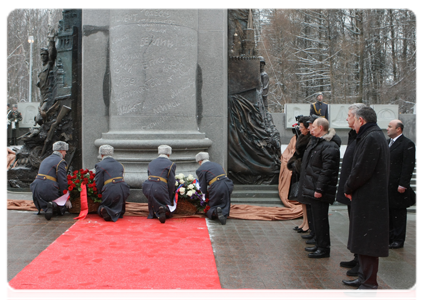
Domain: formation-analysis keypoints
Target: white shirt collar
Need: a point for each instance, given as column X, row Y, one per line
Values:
column 106, row 156
column 163, row 155
column 394, row 139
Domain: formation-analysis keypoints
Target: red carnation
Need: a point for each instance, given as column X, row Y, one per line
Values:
column 75, row 172
column 207, row 200
column 99, row 195
column 206, row 209
column 77, row 181
column 70, row 188
column 65, row 192
column 69, row 182
column 69, row 177
column 95, row 189
column 92, row 177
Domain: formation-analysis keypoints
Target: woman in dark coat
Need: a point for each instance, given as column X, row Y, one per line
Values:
column 294, row 165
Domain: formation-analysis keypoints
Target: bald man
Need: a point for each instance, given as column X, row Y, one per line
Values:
column 402, row 159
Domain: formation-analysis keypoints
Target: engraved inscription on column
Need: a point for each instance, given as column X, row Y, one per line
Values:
column 153, row 56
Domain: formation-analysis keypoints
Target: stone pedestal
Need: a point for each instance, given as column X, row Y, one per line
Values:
column 153, row 77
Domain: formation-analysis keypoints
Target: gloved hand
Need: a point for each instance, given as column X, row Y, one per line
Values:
column 68, row 204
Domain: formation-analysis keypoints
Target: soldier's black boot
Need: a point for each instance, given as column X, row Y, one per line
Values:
column 220, row 216
column 161, row 213
column 49, row 211
column 62, row 210
column 105, row 215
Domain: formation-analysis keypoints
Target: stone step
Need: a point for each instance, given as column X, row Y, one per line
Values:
column 255, row 194
column 242, row 187
column 256, row 201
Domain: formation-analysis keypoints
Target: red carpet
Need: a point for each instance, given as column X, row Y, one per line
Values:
column 133, row 253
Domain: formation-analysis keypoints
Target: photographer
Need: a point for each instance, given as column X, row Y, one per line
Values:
column 302, row 133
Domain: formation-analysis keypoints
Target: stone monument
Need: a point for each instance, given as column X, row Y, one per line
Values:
column 60, row 109
column 153, row 77
column 254, row 142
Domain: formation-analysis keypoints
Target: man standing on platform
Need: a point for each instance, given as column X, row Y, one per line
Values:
column 14, row 117
column 220, row 187
column 367, row 188
column 51, row 181
column 160, row 185
column 111, row 185
column 319, row 108
column 319, row 176
column 345, row 172
column 401, row 195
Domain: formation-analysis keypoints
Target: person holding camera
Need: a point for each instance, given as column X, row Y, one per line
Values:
column 294, row 165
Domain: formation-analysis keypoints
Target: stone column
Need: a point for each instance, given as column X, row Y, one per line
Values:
column 153, row 65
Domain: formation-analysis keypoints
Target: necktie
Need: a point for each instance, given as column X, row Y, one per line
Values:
column 391, row 142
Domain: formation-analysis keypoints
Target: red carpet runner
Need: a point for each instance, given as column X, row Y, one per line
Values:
column 133, row 253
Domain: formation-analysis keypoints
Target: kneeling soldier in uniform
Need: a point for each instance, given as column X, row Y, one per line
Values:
column 109, row 182
column 160, row 185
column 220, row 187
column 51, row 181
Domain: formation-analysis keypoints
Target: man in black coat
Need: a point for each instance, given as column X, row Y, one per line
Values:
column 51, row 181
column 110, row 183
column 220, row 187
column 319, row 176
column 367, row 188
column 401, row 195
column 160, row 185
column 345, row 172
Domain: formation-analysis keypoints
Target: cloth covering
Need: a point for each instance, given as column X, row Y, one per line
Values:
column 285, row 180
column 238, row 211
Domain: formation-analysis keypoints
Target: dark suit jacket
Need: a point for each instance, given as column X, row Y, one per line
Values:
column 402, row 160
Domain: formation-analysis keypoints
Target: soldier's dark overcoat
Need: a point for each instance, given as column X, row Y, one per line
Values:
column 45, row 190
column 220, row 191
column 159, row 193
column 115, row 193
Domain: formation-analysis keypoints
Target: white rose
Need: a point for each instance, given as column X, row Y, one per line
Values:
column 190, row 177
column 189, row 193
column 182, row 191
column 181, row 181
column 181, row 175
column 191, row 187
column 176, row 183
column 177, row 177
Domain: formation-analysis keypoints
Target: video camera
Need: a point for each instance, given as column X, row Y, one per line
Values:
column 296, row 126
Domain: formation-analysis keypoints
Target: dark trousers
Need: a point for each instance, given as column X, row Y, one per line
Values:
column 310, row 219
column 367, row 272
column 320, row 211
column 397, row 225
column 349, row 217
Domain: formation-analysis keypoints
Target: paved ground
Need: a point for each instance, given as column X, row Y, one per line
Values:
column 249, row 254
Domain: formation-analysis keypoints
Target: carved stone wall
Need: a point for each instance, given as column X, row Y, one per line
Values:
column 154, row 77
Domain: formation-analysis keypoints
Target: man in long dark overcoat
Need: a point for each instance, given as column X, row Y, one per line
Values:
column 367, row 188
column 51, row 182
column 111, row 185
column 401, row 195
column 220, row 187
column 345, row 172
column 159, row 188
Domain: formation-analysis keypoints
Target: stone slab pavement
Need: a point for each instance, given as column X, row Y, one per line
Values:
column 248, row 254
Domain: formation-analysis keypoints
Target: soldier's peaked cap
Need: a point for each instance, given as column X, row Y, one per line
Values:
column 58, row 146
column 165, row 149
column 106, row 150
column 201, row 156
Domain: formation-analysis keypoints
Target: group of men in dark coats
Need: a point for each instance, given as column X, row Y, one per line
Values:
column 159, row 188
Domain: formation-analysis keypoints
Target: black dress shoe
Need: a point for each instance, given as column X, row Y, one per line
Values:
column 296, row 228
column 355, row 282
column 49, row 211
column 105, row 215
column 162, row 214
column 311, row 242
column 220, row 216
column 359, row 293
column 396, row 245
column 319, row 254
column 307, row 236
column 353, row 271
column 311, row 249
column 302, row 231
column 348, row 264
